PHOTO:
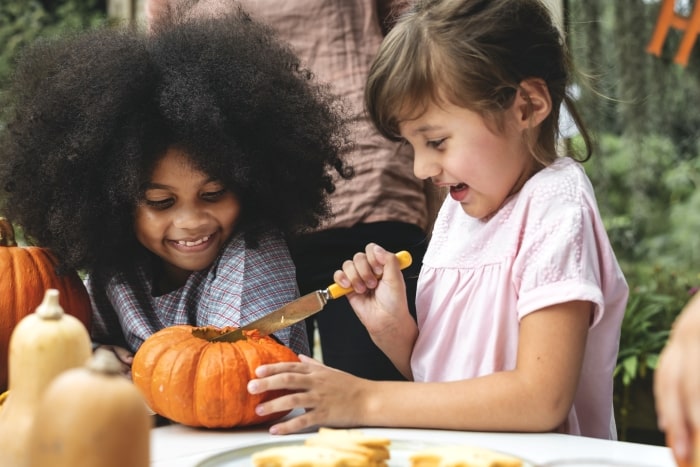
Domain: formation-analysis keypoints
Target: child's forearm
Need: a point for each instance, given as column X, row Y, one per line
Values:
column 497, row 402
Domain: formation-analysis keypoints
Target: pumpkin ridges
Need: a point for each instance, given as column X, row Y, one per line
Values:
column 147, row 360
column 217, row 368
column 189, row 379
column 249, row 360
column 182, row 370
column 75, row 296
column 76, row 301
column 255, row 356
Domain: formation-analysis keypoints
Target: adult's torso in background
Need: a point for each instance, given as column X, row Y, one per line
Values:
column 337, row 40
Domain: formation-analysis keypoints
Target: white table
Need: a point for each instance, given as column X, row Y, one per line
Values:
column 180, row 446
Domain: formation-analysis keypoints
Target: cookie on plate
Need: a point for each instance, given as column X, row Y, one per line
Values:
column 307, row 456
column 375, row 448
column 462, row 456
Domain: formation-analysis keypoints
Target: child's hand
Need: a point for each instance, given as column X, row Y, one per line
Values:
column 380, row 291
column 321, row 390
column 125, row 357
column 677, row 382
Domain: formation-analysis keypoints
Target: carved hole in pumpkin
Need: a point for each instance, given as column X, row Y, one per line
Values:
column 209, row 333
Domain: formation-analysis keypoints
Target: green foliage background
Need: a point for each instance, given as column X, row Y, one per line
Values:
column 646, row 173
column 24, row 21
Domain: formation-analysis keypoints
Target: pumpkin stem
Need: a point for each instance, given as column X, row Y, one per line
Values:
column 50, row 308
column 105, row 362
column 7, row 233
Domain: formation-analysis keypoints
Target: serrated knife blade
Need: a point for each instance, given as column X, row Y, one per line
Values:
column 299, row 309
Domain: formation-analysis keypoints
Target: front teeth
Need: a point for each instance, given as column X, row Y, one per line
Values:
column 198, row 242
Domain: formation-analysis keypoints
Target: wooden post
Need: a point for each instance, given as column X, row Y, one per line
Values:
column 557, row 9
column 132, row 11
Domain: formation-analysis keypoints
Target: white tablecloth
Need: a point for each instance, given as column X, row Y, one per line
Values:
column 180, row 446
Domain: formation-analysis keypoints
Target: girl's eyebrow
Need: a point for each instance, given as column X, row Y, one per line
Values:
column 424, row 128
column 155, row 186
column 160, row 186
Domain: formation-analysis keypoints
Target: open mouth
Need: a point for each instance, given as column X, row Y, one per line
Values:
column 459, row 187
column 193, row 243
column 459, row 191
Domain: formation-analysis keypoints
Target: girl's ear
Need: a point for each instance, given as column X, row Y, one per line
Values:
column 533, row 102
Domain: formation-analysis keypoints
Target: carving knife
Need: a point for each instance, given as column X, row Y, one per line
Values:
column 300, row 308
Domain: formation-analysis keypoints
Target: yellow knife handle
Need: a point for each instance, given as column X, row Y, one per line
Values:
column 336, row 291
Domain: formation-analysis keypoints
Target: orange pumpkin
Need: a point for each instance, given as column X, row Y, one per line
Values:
column 25, row 275
column 186, row 377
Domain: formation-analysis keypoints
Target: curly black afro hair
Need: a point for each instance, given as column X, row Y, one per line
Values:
column 87, row 116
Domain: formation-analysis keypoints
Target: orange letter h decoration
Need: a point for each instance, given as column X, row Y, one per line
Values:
column 668, row 18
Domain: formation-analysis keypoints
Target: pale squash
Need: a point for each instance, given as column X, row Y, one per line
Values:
column 91, row 417
column 43, row 345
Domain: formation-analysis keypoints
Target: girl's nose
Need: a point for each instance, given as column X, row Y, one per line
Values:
column 425, row 166
column 190, row 217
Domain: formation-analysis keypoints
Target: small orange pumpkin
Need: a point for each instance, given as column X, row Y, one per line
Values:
column 190, row 379
column 25, row 275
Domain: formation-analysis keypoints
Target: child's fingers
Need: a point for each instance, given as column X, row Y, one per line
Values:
column 349, row 277
column 668, row 394
column 377, row 258
column 387, row 263
column 666, row 389
column 364, row 270
column 294, row 424
column 356, row 273
column 690, row 378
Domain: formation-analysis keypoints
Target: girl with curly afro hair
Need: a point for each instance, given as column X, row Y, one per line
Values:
column 172, row 168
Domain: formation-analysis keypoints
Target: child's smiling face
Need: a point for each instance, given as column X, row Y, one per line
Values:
column 455, row 148
column 184, row 217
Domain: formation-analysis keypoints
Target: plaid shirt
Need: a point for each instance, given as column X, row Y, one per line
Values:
column 243, row 284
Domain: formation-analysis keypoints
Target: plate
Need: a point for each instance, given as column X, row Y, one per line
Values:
column 401, row 451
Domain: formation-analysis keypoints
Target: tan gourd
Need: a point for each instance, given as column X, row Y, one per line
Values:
column 92, row 417
column 42, row 345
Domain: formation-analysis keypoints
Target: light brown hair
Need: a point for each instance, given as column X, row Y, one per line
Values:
column 474, row 54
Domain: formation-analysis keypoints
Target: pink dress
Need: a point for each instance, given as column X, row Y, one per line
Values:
column 546, row 245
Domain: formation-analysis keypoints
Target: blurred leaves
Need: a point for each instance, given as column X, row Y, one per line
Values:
column 645, row 329
column 24, row 21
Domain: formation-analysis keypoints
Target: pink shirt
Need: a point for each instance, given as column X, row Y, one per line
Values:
column 546, row 245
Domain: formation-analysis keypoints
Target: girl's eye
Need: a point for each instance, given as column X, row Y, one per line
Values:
column 159, row 204
column 435, row 143
column 214, row 195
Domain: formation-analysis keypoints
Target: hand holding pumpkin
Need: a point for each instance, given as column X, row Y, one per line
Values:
column 321, row 390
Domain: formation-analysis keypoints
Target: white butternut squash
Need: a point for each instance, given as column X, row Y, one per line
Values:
column 42, row 345
column 92, row 417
